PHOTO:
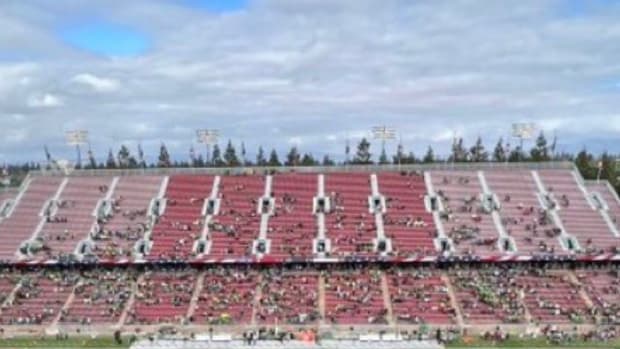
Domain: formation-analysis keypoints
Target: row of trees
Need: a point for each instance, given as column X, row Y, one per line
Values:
column 591, row 166
column 541, row 151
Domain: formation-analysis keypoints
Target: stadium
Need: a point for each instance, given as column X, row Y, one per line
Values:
column 309, row 174
column 373, row 253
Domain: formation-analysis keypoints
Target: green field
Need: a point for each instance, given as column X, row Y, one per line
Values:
column 52, row 342
column 532, row 343
column 108, row 342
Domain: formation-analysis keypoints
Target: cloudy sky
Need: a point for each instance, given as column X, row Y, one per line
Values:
column 305, row 72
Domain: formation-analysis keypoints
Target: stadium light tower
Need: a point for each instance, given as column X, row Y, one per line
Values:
column 77, row 138
column 383, row 133
column 208, row 137
column 523, row 131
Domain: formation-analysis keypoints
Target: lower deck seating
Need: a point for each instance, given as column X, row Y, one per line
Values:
column 603, row 286
column 488, row 296
column 163, row 297
column 100, row 298
column 227, row 297
column 552, row 299
column 39, row 298
column 289, row 298
column 419, row 296
column 354, row 297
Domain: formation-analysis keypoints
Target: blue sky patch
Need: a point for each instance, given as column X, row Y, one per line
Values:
column 218, row 6
column 105, row 39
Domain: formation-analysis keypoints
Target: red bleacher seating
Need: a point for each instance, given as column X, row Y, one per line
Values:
column 471, row 228
column 163, row 297
column 100, row 298
column 579, row 218
column 227, row 297
column 293, row 226
column 354, row 297
column 350, row 225
column 77, row 202
column 289, row 298
column 39, row 298
column 238, row 223
column 181, row 224
column 419, row 296
column 21, row 225
column 406, row 220
column 129, row 220
column 521, row 212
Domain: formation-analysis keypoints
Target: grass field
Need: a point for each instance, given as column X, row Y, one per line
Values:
column 108, row 342
column 52, row 342
column 531, row 343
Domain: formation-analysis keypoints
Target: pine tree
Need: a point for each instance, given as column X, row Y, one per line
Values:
column 92, row 163
column 110, row 163
column 608, row 168
column 429, row 157
column 399, row 157
column 327, row 161
column 230, row 155
column 293, row 157
column 478, row 153
column 260, row 157
column 273, row 159
column 410, row 158
column 459, row 154
column 383, row 159
column 584, row 162
column 540, row 151
column 499, row 153
column 308, row 160
column 216, row 156
column 363, row 155
column 244, row 161
column 123, row 157
column 164, row 156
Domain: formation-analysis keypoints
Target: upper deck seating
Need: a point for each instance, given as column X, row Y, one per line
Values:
column 350, row 225
column 293, row 225
column 74, row 217
column 579, row 218
column 406, row 220
column 237, row 225
column 465, row 221
column 21, row 225
column 182, row 222
column 522, row 216
column 118, row 233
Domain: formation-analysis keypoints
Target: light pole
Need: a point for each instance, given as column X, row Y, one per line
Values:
column 523, row 131
column 77, row 138
column 208, row 137
column 383, row 133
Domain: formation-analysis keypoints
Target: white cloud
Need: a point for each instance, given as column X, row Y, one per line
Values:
column 320, row 70
column 45, row 101
column 98, row 84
